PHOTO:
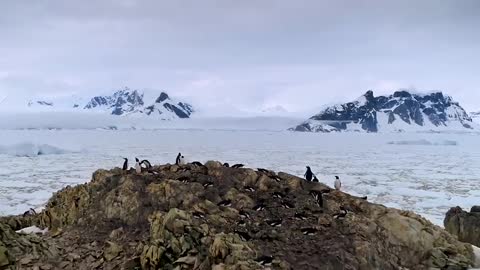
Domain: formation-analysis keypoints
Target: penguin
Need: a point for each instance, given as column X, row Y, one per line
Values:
column 342, row 214
column 244, row 214
column 274, row 222
column 242, row 223
column 196, row 163
column 309, row 231
column 287, row 205
column 243, row 235
column 183, row 179
column 125, row 164
column 138, row 168
column 278, row 195
column 259, row 207
column 177, row 160
column 208, row 184
column 225, row 203
column 317, row 196
column 300, row 216
column 364, row 198
column 236, row 166
column 263, row 170
column 315, row 179
column 308, row 174
column 226, row 165
column 276, row 178
column 147, row 163
column 198, row 215
column 338, row 183
column 180, row 159
column 30, row 212
column 249, row 189
column 264, row 260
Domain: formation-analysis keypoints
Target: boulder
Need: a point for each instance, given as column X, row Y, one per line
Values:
column 466, row 226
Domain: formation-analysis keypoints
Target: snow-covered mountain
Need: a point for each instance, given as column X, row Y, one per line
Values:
column 401, row 111
column 121, row 103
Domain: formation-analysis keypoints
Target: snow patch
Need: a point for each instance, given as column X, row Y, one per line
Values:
column 32, row 230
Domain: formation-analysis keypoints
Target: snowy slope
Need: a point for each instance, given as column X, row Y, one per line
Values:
column 401, row 111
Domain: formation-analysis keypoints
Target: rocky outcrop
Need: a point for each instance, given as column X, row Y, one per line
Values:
column 401, row 111
column 465, row 225
column 17, row 250
column 213, row 217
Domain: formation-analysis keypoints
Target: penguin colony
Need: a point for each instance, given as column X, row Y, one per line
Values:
column 265, row 260
column 282, row 197
column 145, row 165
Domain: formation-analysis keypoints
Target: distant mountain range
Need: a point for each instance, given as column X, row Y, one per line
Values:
column 401, row 111
column 121, row 103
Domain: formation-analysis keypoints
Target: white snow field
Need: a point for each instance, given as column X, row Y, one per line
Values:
column 426, row 173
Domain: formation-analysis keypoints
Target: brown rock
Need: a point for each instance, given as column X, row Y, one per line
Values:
column 4, row 261
column 112, row 250
column 466, row 226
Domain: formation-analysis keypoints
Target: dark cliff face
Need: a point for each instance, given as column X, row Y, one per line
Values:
column 412, row 109
column 163, row 96
column 126, row 101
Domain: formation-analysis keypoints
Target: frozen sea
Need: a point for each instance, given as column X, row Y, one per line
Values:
column 426, row 173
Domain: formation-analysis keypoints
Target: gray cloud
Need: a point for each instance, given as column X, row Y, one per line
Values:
column 241, row 54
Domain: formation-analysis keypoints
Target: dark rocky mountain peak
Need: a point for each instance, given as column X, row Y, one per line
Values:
column 163, row 96
column 127, row 101
column 399, row 111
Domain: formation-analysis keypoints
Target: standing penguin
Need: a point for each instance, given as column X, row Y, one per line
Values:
column 338, row 184
column 180, row 159
column 125, row 164
column 138, row 168
column 177, row 161
column 308, row 174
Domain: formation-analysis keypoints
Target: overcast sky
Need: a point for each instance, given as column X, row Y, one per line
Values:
column 245, row 54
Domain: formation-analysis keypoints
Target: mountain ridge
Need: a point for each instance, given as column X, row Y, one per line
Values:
column 400, row 111
column 124, row 102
